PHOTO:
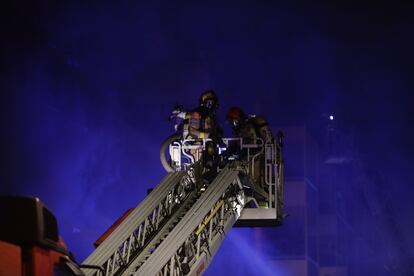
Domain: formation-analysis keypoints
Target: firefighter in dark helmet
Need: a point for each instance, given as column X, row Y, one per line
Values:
column 203, row 125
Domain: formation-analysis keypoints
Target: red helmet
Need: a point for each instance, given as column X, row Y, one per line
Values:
column 236, row 115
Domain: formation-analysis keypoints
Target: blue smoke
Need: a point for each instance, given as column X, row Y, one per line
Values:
column 88, row 88
column 240, row 254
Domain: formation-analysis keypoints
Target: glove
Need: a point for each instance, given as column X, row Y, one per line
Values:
column 177, row 110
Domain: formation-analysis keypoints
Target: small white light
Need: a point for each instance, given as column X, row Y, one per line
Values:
column 331, row 117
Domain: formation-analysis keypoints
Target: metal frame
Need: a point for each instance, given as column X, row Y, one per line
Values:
column 263, row 154
column 180, row 225
column 202, row 228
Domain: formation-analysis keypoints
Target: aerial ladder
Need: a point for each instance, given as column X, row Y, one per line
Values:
column 179, row 226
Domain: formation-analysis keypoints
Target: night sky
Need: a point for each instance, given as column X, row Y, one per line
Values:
column 87, row 87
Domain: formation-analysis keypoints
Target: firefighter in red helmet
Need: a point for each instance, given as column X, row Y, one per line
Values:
column 241, row 125
column 248, row 127
column 252, row 130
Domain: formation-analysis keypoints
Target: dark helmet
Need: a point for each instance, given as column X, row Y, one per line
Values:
column 235, row 115
column 209, row 99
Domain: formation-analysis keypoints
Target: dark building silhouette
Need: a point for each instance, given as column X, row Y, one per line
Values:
column 336, row 222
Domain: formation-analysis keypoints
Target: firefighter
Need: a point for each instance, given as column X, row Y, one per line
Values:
column 249, row 128
column 203, row 122
column 203, row 125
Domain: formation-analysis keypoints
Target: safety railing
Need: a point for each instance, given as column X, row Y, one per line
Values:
column 260, row 162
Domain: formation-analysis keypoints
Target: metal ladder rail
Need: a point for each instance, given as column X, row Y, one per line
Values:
column 201, row 246
column 213, row 235
column 150, row 248
column 207, row 237
column 178, row 230
column 191, row 221
column 130, row 236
